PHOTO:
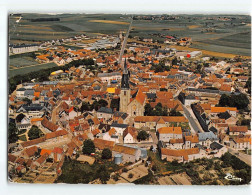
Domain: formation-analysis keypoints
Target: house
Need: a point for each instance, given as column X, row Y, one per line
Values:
column 237, row 130
column 119, row 128
column 57, row 154
column 129, row 135
column 100, row 144
column 175, row 144
column 72, row 113
column 206, row 138
column 32, row 110
column 20, row 92
column 29, row 152
column 217, row 150
column 240, row 143
column 167, row 133
column 183, row 155
column 104, row 113
column 156, row 122
column 41, row 160
column 191, row 141
column 216, row 110
column 129, row 154
column 231, row 120
column 111, row 136
column 50, row 126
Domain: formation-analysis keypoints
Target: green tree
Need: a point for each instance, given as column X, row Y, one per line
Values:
column 142, row 135
column 103, row 174
column 248, row 85
column 34, row 133
column 12, row 133
column 20, row 117
column 147, row 110
column 173, row 112
column 106, row 153
column 239, row 101
column 115, row 104
column 85, row 107
column 88, row 147
column 27, row 100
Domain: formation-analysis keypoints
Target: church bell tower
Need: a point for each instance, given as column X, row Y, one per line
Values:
column 125, row 90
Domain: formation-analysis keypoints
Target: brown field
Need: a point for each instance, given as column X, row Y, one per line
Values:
column 109, row 22
column 35, row 27
column 204, row 52
column 208, row 53
column 193, row 26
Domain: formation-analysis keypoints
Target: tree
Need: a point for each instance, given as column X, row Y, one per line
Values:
column 130, row 175
column 147, row 110
column 106, row 153
column 27, row 100
column 88, row 147
column 20, row 117
column 224, row 100
column 248, row 85
column 173, row 112
column 12, row 133
column 85, row 107
column 239, row 101
column 142, row 135
column 34, row 133
column 103, row 174
column 115, row 104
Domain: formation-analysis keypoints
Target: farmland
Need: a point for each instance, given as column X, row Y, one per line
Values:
column 232, row 37
column 31, row 68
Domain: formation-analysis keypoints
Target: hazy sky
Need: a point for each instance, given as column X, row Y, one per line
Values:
column 131, row 6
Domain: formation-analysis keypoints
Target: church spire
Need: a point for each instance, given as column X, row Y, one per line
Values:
column 125, row 77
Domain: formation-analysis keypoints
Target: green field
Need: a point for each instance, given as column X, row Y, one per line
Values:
column 21, row 60
column 24, row 70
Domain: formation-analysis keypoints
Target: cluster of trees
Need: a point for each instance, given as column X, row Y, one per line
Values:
column 44, row 19
column 12, row 132
column 142, row 135
column 35, row 133
column 159, row 110
column 115, row 104
column 242, row 170
column 161, row 67
column 239, row 101
column 42, row 75
column 89, row 148
column 86, row 106
column 248, row 85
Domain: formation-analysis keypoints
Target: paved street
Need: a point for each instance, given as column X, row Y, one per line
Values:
column 244, row 157
column 192, row 120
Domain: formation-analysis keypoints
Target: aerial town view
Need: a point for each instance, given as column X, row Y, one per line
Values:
column 129, row 99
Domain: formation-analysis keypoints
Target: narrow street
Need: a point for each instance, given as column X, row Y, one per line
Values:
column 194, row 124
column 244, row 157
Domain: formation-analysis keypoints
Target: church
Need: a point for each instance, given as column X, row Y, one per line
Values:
column 133, row 104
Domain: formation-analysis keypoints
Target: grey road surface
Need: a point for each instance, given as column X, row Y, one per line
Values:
column 192, row 120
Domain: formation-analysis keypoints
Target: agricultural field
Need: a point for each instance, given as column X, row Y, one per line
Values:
column 31, row 68
column 22, row 60
column 231, row 37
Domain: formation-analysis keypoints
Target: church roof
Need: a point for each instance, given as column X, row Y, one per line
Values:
column 140, row 97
